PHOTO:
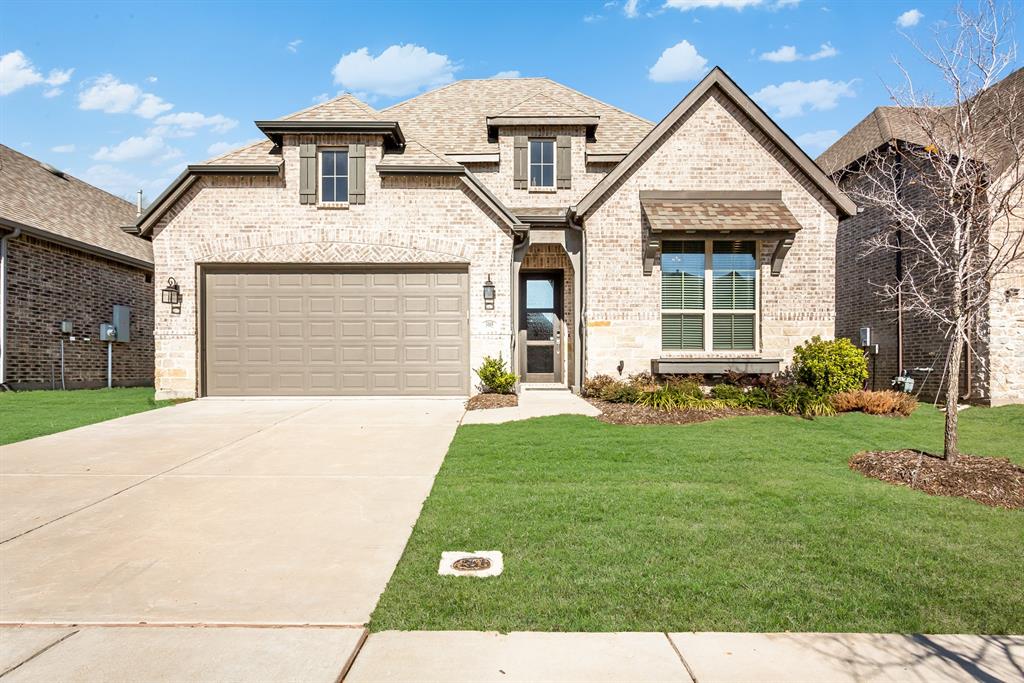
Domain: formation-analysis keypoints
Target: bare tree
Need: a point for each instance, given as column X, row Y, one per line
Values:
column 951, row 187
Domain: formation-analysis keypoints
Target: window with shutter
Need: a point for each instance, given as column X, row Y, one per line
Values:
column 334, row 176
column 708, row 291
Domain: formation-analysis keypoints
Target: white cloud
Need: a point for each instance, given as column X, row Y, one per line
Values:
column 218, row 148
column 790, row 98
column 109, row 95
column 17, row 72
column 185, row 124
column 591, row 18
column 293, row 45
column 681, row 62
column 151, row 106
column 136, row 148
column 687, row 5
column 912, row 17
column 321, row 98
column 53, row 92
column 629, row 8
column 63, row 149
column 124, row 184
column 512, row 73
column 817, row 141
column 151, row 79
column 397, row 71
column 788, row 53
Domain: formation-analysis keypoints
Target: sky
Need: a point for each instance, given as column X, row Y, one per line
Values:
column 124, row 95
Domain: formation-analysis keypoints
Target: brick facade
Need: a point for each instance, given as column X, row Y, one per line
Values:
column 260, row 220
column 713, row 147
column 49, row 283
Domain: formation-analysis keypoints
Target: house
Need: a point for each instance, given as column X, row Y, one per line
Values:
column 65, row 264
column 994, row 372
column 357, row 251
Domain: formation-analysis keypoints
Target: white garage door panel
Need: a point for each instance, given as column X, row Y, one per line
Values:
column 336, row 333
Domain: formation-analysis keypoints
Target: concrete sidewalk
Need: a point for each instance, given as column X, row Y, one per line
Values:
column 686, row 657
column 534, row 403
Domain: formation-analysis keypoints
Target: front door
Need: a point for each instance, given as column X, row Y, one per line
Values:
column 540, row 325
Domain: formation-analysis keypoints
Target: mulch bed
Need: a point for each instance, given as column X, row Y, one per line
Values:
column 485, row 401
column 632, row 414
column 996, row 482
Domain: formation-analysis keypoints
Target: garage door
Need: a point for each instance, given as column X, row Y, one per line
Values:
column 323, row 332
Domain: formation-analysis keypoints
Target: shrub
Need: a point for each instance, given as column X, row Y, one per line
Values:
column 728, row 392
column 495, row 377
column 677, row 396
column 800, row 399
column 643, row 381
column 757, row 397
column 593, row 386
column 830, row 366
column 619, row 392
column 685, row 386
column 875, row 402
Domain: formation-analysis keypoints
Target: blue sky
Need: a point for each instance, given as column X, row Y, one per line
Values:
column 124, row 95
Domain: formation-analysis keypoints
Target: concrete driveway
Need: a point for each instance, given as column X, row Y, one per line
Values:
column 245, row 513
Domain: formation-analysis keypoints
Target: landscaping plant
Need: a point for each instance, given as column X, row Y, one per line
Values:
column 829, row 366
column 875, row 402
column 495, row 377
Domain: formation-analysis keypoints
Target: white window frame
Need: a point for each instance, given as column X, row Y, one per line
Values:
column 320, row 177
column 554, row 165
column 709, row 309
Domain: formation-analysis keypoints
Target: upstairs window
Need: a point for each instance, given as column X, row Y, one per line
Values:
column 708, row 294
column 334, row 176
column 542, row 163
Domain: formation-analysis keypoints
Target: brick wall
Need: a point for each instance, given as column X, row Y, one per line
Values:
column 49, row 283
column 1006, row 322
column 713, row 147
column 260, row 220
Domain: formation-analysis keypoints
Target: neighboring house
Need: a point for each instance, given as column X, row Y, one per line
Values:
column 994, row 373
column 66, row 259
column 358, row 251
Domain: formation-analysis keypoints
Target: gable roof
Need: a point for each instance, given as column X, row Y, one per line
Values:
column 452, row 119
column 64, row 209
column 886, row 124
column 540, row 104
column 720, row 80
column 344, row 107
column 416, row 155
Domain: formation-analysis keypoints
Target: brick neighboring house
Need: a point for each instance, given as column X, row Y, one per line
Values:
column 995, row 373
column 358, row 251
column 65, row 257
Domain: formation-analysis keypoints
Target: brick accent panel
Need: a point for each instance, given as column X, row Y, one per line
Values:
column 713, row 147
column 1006, row 325
column 260, row 220
column 553, row 257
column 49, row 283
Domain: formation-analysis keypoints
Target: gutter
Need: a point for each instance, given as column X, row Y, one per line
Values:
column 28, row 230
column 3, row 301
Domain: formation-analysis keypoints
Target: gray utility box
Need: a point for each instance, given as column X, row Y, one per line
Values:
column 122, row 323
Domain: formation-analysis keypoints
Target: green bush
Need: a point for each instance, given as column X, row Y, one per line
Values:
column 686, row 387
column 830, row 366
column 728, row 392
column 620, row 392
column 757, row 397
column 495, row 377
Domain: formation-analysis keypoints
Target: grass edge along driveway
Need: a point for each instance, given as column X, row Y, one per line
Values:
column 28, row 414
column 743, row 524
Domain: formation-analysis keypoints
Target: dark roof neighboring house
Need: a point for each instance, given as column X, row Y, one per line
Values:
column 51, row 205
column 886, row 124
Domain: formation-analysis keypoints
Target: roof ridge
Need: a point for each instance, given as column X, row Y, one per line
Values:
column 602, row 102
column 70, row 176
column 539, row 93
column 341, row 96
column 426, row 92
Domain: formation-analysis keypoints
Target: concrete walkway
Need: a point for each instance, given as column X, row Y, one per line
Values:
column 534, row 403
column 686, row 657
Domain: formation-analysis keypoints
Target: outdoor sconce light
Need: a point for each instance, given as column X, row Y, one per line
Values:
column 489, row 294
column 171, row 294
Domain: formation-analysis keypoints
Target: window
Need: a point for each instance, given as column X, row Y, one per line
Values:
column 708, row 291
column 333, row 176
column 542, row 163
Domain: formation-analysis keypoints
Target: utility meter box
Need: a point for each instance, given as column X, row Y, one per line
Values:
column 122, row 323
column 865, row 337
column 67, row 327
column 108, row 332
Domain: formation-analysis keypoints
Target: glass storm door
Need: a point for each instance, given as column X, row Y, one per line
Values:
column 541, row 318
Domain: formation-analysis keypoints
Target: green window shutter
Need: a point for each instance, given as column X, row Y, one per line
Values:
column 519, row 162
column 307, row 173
column 682, row 332
column 733, row 331
column 357, row 174
column 564, row 161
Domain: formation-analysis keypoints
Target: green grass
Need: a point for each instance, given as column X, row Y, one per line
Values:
column 744, row 524
column 28, row 414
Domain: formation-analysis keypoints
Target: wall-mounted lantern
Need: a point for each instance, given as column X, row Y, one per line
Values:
column 489, row 294
column 171, row 294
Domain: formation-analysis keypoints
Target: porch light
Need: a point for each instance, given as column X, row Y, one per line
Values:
column 171, row 294
column 489, row 294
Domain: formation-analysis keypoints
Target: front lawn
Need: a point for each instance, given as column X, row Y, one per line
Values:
column 743, row 524
column 28, row 414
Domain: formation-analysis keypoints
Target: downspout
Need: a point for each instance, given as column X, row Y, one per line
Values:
column 3, row 302
column 899, row 278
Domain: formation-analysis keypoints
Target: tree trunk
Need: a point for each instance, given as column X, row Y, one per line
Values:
column 951, row 437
